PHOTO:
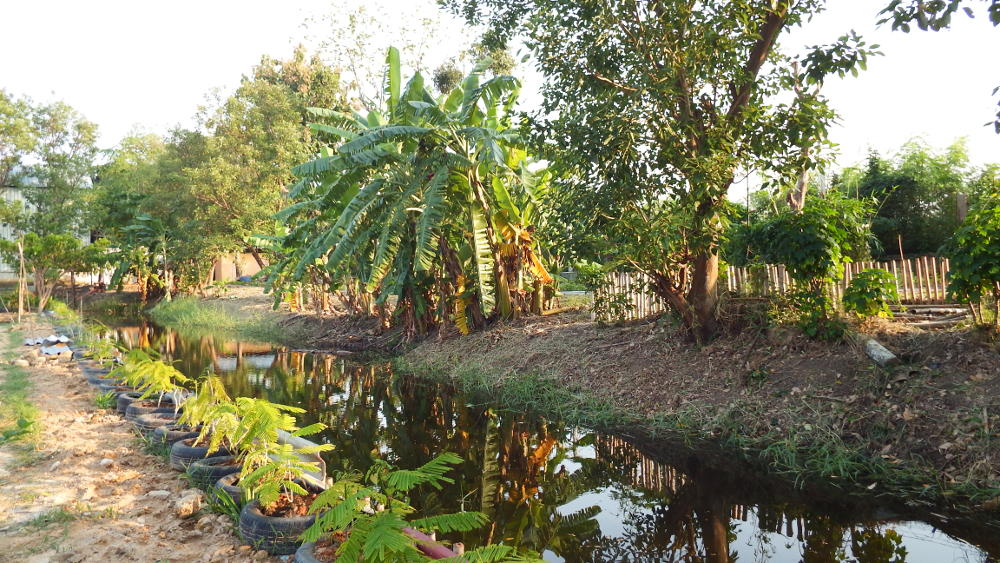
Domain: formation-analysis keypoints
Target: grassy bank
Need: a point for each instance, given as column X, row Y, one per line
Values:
column 194, row 315
column 18, row 416
column 816, row 415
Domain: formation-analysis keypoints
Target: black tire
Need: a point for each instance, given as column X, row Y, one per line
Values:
column 306, row 553
column 118, row 389
column 182, row 455
column 138, row 408
column 167, row 435
column 147, row 423
column 126, row 399
column 98, row 380
column 205, row 473
column 277, row 536
column 227, row 485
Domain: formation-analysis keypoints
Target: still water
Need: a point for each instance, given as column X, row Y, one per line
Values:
column 567, row 493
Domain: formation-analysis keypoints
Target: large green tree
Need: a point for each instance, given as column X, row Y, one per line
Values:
column 652, row 107
column 17, row 136
column 431, row 201
column 253, row 140
column 65, row 150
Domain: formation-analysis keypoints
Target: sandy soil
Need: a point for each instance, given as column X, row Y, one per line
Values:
column 86, row 491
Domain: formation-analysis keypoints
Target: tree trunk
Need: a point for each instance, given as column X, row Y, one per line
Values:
column 704, row 296
column 257, row 258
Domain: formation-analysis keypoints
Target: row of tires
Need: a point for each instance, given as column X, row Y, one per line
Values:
column 157, row 421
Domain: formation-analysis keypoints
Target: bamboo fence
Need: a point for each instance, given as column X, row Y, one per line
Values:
column 921, row 280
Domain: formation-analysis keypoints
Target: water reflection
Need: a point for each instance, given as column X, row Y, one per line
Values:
column 569, row 494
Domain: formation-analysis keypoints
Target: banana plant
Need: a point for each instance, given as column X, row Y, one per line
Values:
column 418, row 202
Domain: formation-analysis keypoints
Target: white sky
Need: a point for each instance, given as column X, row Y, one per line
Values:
column 126, row 62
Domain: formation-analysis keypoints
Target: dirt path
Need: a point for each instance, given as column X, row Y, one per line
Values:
column 86, row 491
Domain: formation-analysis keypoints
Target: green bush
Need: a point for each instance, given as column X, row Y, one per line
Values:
column 974, row 252
column 870, row 292
column 812, row 245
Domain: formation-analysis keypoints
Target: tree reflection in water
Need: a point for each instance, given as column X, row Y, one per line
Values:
column 565, row 493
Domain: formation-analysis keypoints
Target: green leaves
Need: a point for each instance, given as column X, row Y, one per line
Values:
column 376, row 514
column 870, row 293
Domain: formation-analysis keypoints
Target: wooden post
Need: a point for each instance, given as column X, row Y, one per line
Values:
column 20, row 280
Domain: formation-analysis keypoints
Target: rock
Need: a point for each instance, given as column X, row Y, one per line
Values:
column 107, row 462
column 54, row 465
column 189, row 503
column 21, row 363
column 260, row 555
column 158, row 494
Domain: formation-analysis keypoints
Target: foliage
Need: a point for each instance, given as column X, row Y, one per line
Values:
column 107, row 400
column 870, row 292
column 936, row 15
column 433, row 202
column 916, row 194
column 974, row 252
column 376, row 510
column 172, row 205
column 651, row 108
column 150, row 376
column 48, row 152
column 271, row 469
column 48, row 257
column 814, row 243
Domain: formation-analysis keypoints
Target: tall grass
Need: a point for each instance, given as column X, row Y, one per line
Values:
column 195, row 316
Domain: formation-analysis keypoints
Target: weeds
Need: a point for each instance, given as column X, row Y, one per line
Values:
column 221, row 503
column 108, row 400
column 18, row 417
column 194, row 316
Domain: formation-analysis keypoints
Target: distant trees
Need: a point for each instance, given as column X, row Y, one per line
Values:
column 916, row 193
column 172, row 205
column 48, row 152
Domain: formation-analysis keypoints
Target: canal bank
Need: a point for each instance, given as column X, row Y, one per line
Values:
column 815, row 413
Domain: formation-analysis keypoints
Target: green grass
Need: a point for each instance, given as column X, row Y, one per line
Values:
column 107, row 400
column 18, row 416
column 194, row 316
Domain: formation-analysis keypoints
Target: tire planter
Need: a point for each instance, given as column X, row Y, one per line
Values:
column 118, row 389
column 147, row 423
column 275, row 535
column 171, row 433
column 99, row 380
column 227, row 486
column 138, row 408
column 183, row 454
column 126, row 399
column 205, row 473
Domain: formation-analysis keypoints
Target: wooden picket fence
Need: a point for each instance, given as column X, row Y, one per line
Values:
column 920, row 280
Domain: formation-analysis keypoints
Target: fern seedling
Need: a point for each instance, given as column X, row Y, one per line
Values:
column 374, row 513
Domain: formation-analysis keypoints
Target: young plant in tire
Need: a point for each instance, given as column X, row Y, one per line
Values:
column 370, row 516
column 202, row 408
column 149, row 375
column 102, row 351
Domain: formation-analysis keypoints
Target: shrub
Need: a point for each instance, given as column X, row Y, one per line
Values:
column 812, row 245
column 870, row 292
column 974, row 251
